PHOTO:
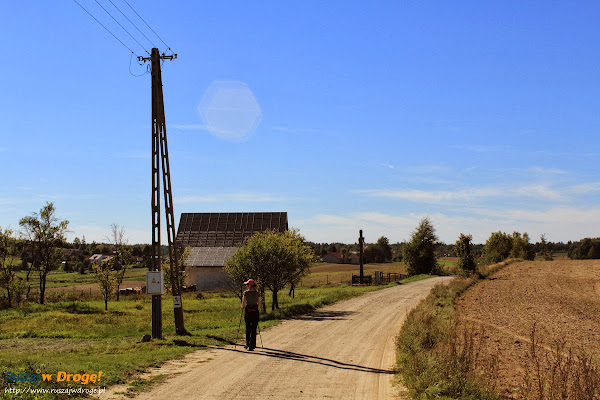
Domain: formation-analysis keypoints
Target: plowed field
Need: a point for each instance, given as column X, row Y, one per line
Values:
column 562, row 299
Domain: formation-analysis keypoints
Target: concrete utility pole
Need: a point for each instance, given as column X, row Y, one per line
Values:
column 361, row 242
column 160, row 155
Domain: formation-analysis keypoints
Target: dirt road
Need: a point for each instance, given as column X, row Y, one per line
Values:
column 344, row 351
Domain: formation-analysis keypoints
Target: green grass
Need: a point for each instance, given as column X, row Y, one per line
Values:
column 60, row 279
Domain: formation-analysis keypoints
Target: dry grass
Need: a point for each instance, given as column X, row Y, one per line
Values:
column 559, row 373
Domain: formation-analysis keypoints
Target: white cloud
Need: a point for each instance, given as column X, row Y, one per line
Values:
column 535, row 191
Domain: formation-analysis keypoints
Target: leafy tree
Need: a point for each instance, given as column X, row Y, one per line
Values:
column 104, row 276
column 497, row 248
column 379, row 252
column 46, row 232
column 463, row 250
column 419, row 252
column 273, row 259
column 521, row 248
column 7, row 251
column 384, row 247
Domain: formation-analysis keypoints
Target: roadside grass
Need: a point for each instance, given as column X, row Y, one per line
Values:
column 438, row 358
column 80, row 337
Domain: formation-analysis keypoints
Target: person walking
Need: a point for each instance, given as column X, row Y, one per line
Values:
column 250, row 304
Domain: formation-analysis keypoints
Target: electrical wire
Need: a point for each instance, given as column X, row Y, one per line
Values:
column 105, row 10
column 108, row 30
column 140, row 64
column 131, row 22
column 140, row 17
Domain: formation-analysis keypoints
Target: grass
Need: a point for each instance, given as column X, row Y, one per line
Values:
column 80, row 337
column 61, row 279
column 437, row 358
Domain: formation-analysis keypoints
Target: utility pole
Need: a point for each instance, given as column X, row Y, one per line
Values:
column 361, row 242
column 160, row 156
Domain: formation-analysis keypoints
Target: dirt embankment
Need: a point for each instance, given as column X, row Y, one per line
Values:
column 562, row 299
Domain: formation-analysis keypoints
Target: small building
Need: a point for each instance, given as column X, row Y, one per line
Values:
column 98, row 258
column 214, row 237
column 333, row 257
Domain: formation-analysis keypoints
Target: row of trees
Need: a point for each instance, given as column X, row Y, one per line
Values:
column 420, row 256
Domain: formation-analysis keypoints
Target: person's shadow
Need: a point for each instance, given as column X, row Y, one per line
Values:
column 288, row 355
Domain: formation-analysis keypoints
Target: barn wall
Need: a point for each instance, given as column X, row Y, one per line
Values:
column 207, row 278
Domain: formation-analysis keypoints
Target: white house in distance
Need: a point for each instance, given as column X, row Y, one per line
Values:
column 214, row 237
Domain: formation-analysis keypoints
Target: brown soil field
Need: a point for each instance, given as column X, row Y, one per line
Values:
column 561, row 298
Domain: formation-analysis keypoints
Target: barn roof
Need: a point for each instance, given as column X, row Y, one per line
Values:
column 209, row 256
column 226, row 229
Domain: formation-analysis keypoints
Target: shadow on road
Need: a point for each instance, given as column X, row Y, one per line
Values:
column 323, row 315
column 288, row 355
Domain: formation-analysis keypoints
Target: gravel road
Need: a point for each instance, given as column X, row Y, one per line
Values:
column 343, row 351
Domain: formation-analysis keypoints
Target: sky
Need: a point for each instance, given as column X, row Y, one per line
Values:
column 348, row 115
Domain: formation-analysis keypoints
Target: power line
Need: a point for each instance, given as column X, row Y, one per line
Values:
column 140, row 17
column 138, row 75
column 105, row 10
column 108, row 30
column 131, row 22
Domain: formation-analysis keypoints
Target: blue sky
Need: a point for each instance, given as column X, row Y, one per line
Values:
column 348, row 115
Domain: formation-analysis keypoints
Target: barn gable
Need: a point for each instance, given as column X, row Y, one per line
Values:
column 214, row 237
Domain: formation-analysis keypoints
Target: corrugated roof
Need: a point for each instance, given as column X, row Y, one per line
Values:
column 226, row 229
column 209, row 256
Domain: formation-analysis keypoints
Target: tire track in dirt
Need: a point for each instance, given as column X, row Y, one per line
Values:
column 346, row 350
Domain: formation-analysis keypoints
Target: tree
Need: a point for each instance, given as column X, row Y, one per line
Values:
column 122, row 256
column 419, row 252
column 497, row 248
column 521, row 248
column 7, row 251
column 103, row 274
column 546, row 248
column 379, row 252
column 273, row 259
column 46, row 232
column 384, row 246
column 463, row 250
column 344, row 253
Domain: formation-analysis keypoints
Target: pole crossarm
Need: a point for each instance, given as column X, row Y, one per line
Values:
column 162, row 56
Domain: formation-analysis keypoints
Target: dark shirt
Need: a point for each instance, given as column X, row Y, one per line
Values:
column 251, row 296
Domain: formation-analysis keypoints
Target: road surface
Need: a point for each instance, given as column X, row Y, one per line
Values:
column 343, row 351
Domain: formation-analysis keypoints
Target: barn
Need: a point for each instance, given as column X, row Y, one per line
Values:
column 214, row 237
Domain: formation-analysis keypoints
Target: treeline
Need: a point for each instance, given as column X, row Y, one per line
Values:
column 585, row 249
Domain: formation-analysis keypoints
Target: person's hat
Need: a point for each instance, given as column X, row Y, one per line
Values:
column 249, row 282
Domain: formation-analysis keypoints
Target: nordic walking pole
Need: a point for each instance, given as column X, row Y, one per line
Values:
column 260, row 334
column 238, row 332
